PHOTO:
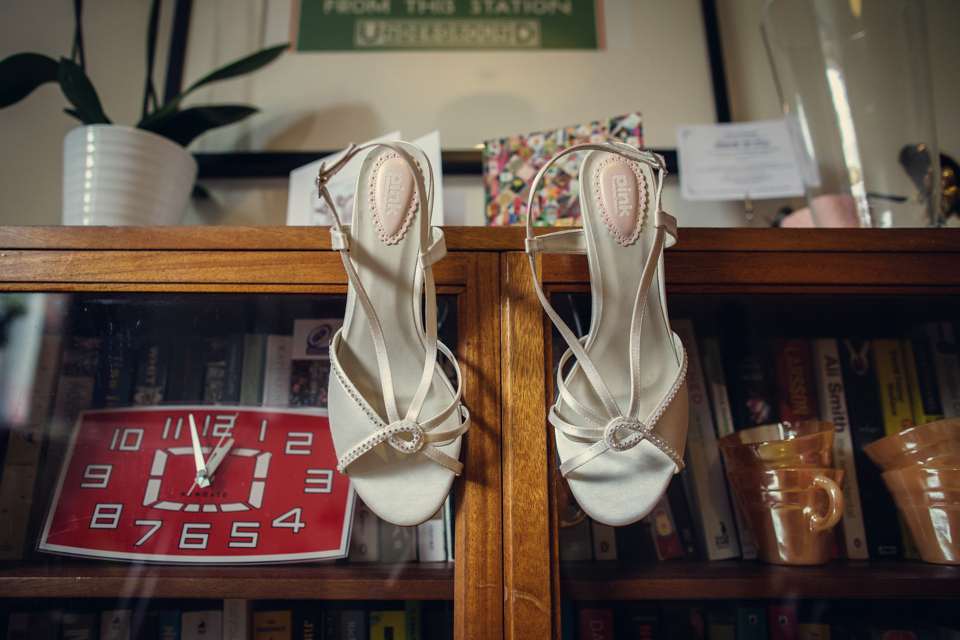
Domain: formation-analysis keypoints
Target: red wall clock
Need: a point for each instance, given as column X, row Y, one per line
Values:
column 243, row 486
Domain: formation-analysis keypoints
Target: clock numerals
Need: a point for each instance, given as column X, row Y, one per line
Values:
column 290, row 520
column 194, row 536
column 154, row 527
column 126, row 439
column 106, row 516
column 251, row 537
column 321, row 482
column 97, row 476
column 298, row 443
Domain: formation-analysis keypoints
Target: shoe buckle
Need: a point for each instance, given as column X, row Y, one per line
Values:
column 417, row 436
column 614, row 426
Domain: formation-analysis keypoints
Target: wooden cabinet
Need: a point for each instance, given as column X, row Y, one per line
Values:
column 506, row 580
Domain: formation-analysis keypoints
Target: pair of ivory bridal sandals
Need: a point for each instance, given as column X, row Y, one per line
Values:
column 395, row 418
column 620, row 418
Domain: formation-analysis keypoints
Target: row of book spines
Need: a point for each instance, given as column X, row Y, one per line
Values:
column 375, row 540
column 409, row 620
column 806, row 382
column 719, row 621
column 248, row 368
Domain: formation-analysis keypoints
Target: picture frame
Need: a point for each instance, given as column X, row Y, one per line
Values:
column 221, row 159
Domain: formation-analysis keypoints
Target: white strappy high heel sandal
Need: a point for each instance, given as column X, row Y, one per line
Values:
column 395, row 419
column 621, row 415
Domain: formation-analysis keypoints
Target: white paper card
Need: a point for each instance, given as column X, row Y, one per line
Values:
column 306, row 208
column 738, row 160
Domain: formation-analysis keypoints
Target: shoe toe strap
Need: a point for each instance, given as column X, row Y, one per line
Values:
column 606, row 438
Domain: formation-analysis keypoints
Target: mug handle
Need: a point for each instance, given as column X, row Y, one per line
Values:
column 819, row 523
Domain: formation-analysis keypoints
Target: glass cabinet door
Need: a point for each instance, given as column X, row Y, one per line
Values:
column 764, row 329
column 109, row 355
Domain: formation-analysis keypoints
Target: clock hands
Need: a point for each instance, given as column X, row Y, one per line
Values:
column 205, row 470
column 202, row 481
column 219, row 453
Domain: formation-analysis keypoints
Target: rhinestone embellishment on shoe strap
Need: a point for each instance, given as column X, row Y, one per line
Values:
column 610, row 433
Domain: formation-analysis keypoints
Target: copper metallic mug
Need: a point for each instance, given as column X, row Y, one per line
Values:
column 790, row 512
column 929, row 501
column 785, row 444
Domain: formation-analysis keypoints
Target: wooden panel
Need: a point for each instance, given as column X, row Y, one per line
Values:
column 532, row 605
column 323, row 581
column 735, row 579
column 175, row 267
column 473, row 239
column 478, row 582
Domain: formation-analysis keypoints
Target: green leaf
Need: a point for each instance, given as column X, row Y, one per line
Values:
column 79, row 91
column 184, row 126
column 21, row 73
column 237, row 68
column 241, row 67
column 73, row 112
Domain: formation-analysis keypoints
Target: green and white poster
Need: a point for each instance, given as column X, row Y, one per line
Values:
column 379, row 25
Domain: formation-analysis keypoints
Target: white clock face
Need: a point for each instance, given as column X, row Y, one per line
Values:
column 132, row 487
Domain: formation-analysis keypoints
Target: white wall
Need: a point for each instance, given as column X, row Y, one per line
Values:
column 31, row 132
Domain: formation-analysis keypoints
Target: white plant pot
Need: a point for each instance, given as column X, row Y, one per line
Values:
column 117, row 175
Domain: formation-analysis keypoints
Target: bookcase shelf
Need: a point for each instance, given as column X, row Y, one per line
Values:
column 751, row 580
column 427, row 581
column 507, row 580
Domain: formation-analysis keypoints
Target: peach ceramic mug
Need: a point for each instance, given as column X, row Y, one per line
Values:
column 934, row 442
column 785, row 444
column 790, row 512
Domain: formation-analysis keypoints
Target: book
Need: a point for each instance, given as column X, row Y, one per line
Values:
column 721, row 621
column 115, row 624
column 943, row 345
column 388, row 625
column 851, row 534
column 707, row 489
column 862, row 395
column 169, row 622
column 782, row 622
column 897, row 411
column 353, row 624
column 79, row 626
column 639, row 621
column 144, row 625
column 236, row 619
column 397, row 544
column 595, row 623
column 364, row 534
column 413, row 619
column 574, row 543
column 272, row 625
column 813, row 631
column 749, row 383
column 113, row 386
column 922, row 381
column 682, row 621
column 682, row 517
column 751, row 623
column 150, row 378
column 432, row 539
column 223, row 362
column 604, row 538
column 202, row 625
column 309, row 380
column 276, row 371
column 663, row 531
column 723, row 420
column 308, row 624
column 892, row 381
column 185, row 370
column 251, row 376
column 793, row 370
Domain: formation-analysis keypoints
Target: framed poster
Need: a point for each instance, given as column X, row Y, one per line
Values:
column 661, row 59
